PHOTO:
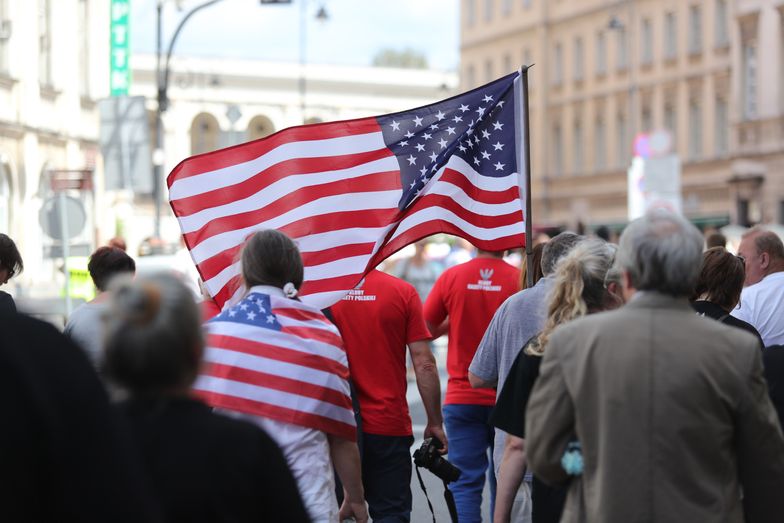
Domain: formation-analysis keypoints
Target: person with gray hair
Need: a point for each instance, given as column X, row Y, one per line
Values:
column 762, row 300
column 651, row 412
column 520, row 317
column 203, row 466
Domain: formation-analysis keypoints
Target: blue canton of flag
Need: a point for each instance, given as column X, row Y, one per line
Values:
column 254, row 310
column 478, row 126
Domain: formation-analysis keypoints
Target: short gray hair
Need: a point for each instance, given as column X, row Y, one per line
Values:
column 661, row 251
column 154, row 341
column 766, row 241
column 557, row 248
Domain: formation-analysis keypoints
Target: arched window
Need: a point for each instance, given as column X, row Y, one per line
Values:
column 204, row 133
column 313, row 119
column 259, row 127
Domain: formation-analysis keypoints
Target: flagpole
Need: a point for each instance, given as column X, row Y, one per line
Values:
column 529, row 249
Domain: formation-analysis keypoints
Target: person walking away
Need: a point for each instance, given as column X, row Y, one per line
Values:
column 202, row 466
column 580, row 287
column 718, row 289
column 762, row 300
column 10, row 265
column 670, row 410
column 377, row 320
column 514, row 323
column 85, row 326
column 418, row 270
column 462, row 303
column 280, row 364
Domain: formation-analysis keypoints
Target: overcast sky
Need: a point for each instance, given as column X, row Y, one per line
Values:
column 355, row 31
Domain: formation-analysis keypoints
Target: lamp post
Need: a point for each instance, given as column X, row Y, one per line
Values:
column 615, row 24
column 162, row 87
column 321, row 16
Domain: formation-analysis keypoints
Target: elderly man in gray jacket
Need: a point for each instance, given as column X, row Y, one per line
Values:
column 671, row 409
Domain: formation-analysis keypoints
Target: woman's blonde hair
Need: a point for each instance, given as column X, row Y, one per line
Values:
column 578, row 288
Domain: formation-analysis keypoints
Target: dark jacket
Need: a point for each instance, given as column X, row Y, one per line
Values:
column 64, row 453
column 205, row 467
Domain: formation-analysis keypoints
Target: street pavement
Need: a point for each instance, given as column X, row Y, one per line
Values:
column 435, row 488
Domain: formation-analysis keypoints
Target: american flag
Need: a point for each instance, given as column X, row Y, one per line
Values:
column 353, row 192
column 278, row 358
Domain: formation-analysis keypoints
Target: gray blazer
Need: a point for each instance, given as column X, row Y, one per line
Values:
column 672, row 412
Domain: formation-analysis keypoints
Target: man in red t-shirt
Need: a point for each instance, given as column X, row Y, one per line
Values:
column 377, row 320
column 462, row 303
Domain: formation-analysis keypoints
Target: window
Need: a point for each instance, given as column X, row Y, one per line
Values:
column 722, row 34
column 749, row 80
column 488, row 70
column 489, row 10
column 695, row 130
column 623, row 50
column 578, row 147
column 259, row 127
column 526, row 4
column 722, row 127
column 622, row 140
column 507, row 63
column 781, row 212
column 670, row 37
column 506, row 7
column 578, row 59
column 45, row 42
column 5, row 35
column 557, row 150
column 6, row 198
column 557, row 64
column 600, row 158
column 647, row 42
column 601, row 53
column 527, row 57
column 647, row 119
column 470, row 77
column 83, row 34
column 695, row 29
column 204, row 133
column 670, row 122
column 470, row 12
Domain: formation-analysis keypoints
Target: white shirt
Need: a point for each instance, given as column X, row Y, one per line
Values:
column 762, row 305
column 307, row 455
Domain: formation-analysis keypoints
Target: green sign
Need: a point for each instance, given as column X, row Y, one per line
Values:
column 120, row 49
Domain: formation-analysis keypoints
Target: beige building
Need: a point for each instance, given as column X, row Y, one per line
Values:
column 709, row 71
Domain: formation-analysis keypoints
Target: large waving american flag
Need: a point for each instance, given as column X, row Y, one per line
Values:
column 353, row 192
column 278, row 358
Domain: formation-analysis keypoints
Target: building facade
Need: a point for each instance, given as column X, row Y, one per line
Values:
column 216, row 103
column 54, row 66
column 711, row 72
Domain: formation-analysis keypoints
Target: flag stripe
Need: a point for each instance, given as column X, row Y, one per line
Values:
column 322, row 423
column 305, row 169
column 273, row 352
column 246, row 152
column 276, row 382
column 255, row 210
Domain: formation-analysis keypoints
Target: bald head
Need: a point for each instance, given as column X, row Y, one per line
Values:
column 763, row 252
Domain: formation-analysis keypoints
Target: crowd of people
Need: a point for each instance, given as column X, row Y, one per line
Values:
column 642, row 381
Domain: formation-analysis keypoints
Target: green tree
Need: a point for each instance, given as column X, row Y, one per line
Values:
column 406, row 59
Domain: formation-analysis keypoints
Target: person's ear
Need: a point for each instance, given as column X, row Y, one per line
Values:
column 764, row 260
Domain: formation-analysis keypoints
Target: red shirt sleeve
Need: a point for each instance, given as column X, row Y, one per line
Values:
column 416, row 329
column 435, row 310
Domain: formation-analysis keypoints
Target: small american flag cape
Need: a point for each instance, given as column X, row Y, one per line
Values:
column 278, row 358
column 351, row 193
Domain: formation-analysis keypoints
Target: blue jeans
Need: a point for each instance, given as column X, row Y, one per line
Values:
column 470, row 449
column 386, row 476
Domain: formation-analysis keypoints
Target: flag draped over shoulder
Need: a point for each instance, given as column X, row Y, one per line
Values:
column 353, row 192
column 278, row 358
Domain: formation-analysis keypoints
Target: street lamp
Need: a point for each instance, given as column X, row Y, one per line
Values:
column 616, row 24
column 321, row 16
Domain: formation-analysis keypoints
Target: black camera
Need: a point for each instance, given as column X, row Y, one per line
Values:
column 427, row 457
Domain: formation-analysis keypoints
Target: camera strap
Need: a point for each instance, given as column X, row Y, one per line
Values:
column 448, row 497
column 422, row 484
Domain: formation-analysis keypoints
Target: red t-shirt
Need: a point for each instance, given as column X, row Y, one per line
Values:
column 469, row 294
column 377, row 320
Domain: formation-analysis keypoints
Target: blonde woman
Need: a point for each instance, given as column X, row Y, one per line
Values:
column 580, row 288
